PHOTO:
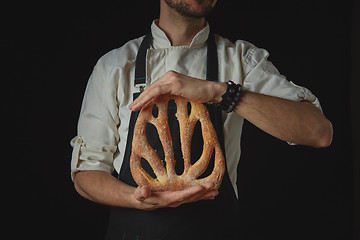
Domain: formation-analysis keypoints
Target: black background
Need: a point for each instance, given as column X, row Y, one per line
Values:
column 285, row 192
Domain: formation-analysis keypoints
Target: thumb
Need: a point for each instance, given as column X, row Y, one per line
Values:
column 142, row 192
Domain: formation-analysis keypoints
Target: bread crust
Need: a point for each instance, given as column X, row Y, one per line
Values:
column 167, row 179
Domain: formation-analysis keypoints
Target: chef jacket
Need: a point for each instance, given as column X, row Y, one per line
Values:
column 104, row 117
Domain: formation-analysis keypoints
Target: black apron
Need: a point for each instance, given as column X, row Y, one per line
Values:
column 206, row 219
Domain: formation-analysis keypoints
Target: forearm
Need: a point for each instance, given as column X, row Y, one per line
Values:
column 296, row 122
column 101, row 187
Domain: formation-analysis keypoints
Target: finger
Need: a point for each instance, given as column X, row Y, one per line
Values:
column 163, row 85
column 207, row 192
column 148, row 95
column 135, row 103
column 204, row 194
column 166, row 198
column 188, row 194
column 197, row 189
column 210, row 195
column 208, row 185
column 141, row 100
column 190, row 191
column 177, row 198
column 142, row 193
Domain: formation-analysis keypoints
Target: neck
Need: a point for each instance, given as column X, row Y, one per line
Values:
column 180, row 30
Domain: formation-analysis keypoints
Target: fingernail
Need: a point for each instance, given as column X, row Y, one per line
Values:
column 209, row 185
column 132, row 107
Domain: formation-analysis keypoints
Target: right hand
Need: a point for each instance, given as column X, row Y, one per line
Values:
column 145, row 199
column 180, row 85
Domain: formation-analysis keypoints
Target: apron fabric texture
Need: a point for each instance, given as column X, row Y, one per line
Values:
column 206, row 219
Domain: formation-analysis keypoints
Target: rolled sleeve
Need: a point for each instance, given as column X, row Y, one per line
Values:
column 91, row 156
column 97, row 137
column 305, row 94
column 263, row 77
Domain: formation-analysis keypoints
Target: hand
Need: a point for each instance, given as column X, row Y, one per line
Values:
column 181, row 85
column 144, row 199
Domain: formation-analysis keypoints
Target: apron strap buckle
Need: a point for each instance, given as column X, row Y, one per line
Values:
column 140, row 87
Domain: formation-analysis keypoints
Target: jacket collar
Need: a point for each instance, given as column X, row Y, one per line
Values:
column 160, row 40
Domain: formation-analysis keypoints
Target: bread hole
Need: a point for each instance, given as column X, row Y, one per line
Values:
column 197, row 143
column 155, row 111
column 175, row 137
column 209, row 168
column 153, row 139
column 146, row 166
column 189, row 108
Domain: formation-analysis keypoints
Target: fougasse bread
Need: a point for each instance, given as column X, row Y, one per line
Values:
column 166, row 178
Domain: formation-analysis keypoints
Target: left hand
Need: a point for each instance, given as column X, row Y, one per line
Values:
column 178, row 84
column 143, row 198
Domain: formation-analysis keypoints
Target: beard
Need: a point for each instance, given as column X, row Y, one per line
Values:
column 185, row 10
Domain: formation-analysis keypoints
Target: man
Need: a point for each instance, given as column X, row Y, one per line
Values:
column 178, row 60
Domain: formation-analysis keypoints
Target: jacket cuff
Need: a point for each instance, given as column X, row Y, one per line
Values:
column 91, row 156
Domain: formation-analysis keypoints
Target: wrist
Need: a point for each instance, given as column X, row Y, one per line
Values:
column 220, row 89
column 231, row 97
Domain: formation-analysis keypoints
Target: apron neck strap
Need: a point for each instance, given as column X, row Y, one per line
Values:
column 212, row 66
column 140, row 67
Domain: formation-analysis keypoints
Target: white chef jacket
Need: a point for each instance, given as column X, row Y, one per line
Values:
column 104, row 117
